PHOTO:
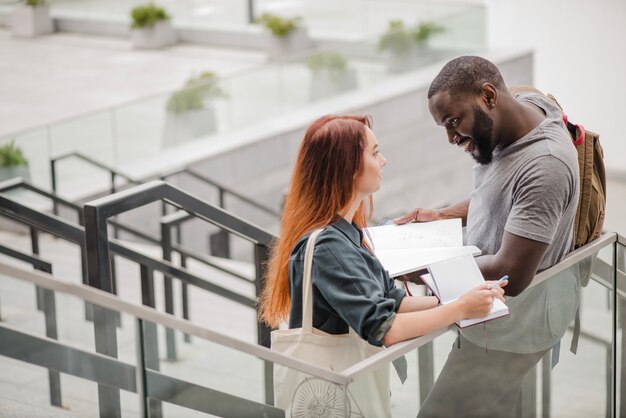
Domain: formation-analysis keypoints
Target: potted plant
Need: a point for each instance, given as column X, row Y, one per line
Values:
column 151, row 27
column 13, row 163
column 425, row 30
column 287, row 35
column 403, row 46
column 330, row 74
column 188, row 114
column 31, row 18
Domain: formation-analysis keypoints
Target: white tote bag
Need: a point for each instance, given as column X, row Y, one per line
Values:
column 303, row 395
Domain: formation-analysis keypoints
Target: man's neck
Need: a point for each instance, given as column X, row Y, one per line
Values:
column 521, row 119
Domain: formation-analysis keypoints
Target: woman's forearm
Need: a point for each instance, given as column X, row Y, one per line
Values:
column 414, row 324
column 417, row 303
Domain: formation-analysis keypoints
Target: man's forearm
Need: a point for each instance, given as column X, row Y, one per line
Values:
column 458, row 210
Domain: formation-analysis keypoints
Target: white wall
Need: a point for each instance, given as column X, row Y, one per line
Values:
column 580, row 57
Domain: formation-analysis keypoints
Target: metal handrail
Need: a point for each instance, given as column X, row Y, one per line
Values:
column 114, row 174
column 113, row 303
column 18, row 182
column 155, row 190
column 168, row 290
column 104, row 322
column 45, row 302
column 222, row 190
column 345, row 377
column 93, row 162
column 98, row 211
column 395, row 351
column 576, row 256
column 76, row 234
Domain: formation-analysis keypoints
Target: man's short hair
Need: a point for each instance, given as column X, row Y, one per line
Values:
column 464, row 76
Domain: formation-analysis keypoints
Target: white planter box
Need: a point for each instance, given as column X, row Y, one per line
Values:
column 401, row 62
column 326, row 82
column 28, row 21
column 7, row 173
column 297, row 41
column 187, row 126
column 158, row 36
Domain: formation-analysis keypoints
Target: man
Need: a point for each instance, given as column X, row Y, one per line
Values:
column 520, row 214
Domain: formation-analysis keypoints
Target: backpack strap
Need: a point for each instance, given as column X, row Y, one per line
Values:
column 576, row 332
column 577, row 132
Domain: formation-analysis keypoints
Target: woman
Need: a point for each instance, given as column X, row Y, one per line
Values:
column 338, row 168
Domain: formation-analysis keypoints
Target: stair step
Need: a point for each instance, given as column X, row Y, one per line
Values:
column 13, row 409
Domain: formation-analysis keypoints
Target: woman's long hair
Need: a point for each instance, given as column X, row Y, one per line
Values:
column 323, row 184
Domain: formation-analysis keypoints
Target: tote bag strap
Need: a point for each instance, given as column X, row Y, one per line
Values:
column 307, row 283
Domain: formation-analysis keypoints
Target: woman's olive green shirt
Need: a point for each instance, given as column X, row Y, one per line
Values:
column 350, row 286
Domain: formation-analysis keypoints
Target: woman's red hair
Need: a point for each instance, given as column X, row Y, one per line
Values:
column 323, row 184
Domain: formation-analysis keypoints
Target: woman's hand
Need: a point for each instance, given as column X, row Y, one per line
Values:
column 477, row 302
column 497, row 287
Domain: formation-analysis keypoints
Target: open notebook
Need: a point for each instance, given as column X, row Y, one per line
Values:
column 451, row 278
column 403, row 249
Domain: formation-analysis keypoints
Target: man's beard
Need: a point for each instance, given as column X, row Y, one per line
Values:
column 482, row 132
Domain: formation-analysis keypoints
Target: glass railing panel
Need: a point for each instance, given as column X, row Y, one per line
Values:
column 59, row 338
column 377, row 393
column 349, row 19
column 463, row 30
column 148, row 127
column 91, row 135
column 139, row 129
column 205, row 363
column 19, row 309
column 256, row 96
column 620, row 382
column 208, row 377
column 35, row 146
column 580, row 384
column 379, row 13
column 76, row 177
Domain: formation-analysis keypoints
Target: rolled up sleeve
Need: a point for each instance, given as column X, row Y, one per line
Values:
column 357, row 295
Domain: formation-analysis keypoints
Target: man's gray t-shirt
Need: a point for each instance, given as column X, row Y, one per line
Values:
column 530, row 189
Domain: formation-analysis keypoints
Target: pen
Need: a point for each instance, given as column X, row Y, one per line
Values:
column 502, row 279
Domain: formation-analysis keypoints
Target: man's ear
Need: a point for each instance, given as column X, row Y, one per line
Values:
column 489, row 95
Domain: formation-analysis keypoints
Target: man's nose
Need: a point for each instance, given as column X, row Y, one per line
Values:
column 453, row 137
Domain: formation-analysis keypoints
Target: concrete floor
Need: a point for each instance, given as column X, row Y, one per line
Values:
column 62, row 75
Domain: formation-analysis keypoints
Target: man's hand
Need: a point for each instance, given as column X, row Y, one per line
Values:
column 458, row 210
column 418, row 215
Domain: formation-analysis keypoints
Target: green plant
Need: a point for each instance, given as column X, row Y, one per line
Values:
column 147, row 15
column 279, row 26
column 332, row 61
column 427, row 29
column 11, row 156
column 398, row 38
column 194, row 93
column 34, row 3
